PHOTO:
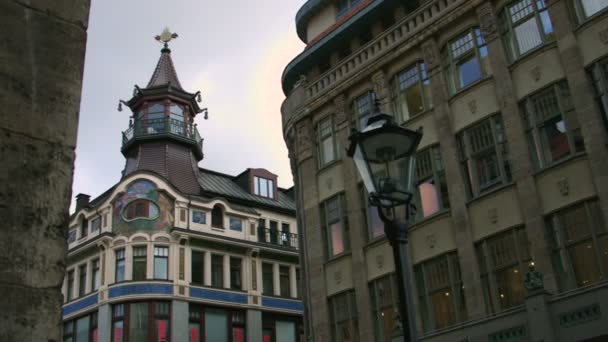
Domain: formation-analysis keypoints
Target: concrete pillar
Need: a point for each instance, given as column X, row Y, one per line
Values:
column 456, row 187
column 104, row 322
column 276, row 281
column 207, row 269
column 179, row 321
column 226, row 271
column 128, row 262
column 539, row 317
column 519, row 155
column 589, row 116
column 254, row 325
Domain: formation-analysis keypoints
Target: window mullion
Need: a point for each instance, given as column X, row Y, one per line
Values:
column 497, row 149
column 453, row 288
column 427, row 298
column 531, row 114
column 491, row 278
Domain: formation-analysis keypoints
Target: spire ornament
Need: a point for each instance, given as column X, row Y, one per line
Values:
column 165, row 37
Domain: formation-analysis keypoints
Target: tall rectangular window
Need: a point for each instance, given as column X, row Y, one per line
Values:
column 267, row 279
column 217, row 270
column 363, row 107
column 431, row 189
column 120, row 265
column 410, row 92
column 588, row 8
column 70, row 289
column 328, row 150
column 482, row 150
column 579, row 242
column 118, row 323
column 599, row 76
column 343, row 317
column 84, row 227
column 335, row 225
column 96, row 225
column 525, row 25
column 197, row 267
column 139, row 263
column 96, row 279
column 465, row 59
column 503, row 259
column 263, row 187
column 235, row 273
column 552, row 127
column 284, row 281
column 161, row 262
column 82, row 280
column 440, row 292
column 383, row 293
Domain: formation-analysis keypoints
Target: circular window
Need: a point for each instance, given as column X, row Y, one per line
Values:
column 140, row 209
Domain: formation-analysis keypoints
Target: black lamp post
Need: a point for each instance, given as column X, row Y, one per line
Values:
column 384, row 154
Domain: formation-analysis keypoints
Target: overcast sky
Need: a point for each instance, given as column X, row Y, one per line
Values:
column 233, row 52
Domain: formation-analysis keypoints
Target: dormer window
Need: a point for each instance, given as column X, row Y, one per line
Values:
column 84, row 227
column 263, row 187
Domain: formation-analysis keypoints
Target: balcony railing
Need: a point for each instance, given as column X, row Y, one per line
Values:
column 277, row 237
column 165, row 126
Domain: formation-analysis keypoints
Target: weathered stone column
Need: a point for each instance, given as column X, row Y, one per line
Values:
column 519, row 154
column 456, row 187
column 312, row 234
column 589, row 117
column 42, row 47
column 356, row 221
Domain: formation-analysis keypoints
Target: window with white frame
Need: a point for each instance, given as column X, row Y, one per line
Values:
column 217, row 270
column 431, row 189
column 335, row 225
column 96, row 225
column 482, row 150
column 235, row 273
column 139, row 263
column 503, row 260
column 119, row 268
column 552, row 127
column 440, row 291
column 586, row 9
column 383, row 293
column 197, row 267
column 328, row 151
column 70, row 285
column 364, row 108
column 343, row 317
column 525, row 25
column 599, row 76
column 411, row 92
column 96, row 274
column 579, row 242
column 161, row 262
column 465, row 59
column 82, row 280
column 263, row 187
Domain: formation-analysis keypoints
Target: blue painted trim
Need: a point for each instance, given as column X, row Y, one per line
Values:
column 80, row 305
column 136, row 289
column 223, row 296
column 278, row 303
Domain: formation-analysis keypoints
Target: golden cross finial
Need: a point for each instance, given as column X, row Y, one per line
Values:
column 166, row 36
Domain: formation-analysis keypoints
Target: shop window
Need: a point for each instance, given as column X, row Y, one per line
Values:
column 465, row 60
column 552, row 127
column 503, row 259
column 215, row 324
column 440, row 292
column 83, row 329
column 147, row 322
column 411, row 92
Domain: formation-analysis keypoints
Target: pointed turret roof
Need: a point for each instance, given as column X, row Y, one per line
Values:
column 165, row 71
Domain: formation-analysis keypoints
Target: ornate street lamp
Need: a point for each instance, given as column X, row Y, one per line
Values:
column 384, row 154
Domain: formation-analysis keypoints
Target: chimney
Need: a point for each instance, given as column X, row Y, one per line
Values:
column 82, row 200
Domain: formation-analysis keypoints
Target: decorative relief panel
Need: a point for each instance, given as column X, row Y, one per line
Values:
column 431, row 241
column 380, row 260
column 429, row 54
column 182, row 263
column 338, row 277
column 493, row 215
column 487, row 21
column 564, row 186
column 304, row 140
column 472, row 106
column 535, row 73
column 341, row 109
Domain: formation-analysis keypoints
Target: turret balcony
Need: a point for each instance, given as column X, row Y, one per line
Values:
column 160, row 128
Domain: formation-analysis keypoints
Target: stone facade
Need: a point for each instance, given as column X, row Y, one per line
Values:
column 537, row 188
column 40, row 100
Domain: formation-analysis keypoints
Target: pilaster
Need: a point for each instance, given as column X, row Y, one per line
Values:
column 179, row 321
column 207, row 268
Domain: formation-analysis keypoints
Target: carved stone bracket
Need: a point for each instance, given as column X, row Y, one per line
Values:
column 430, row 54
column 341, row 109
column 472, row 106
column 381, row 87
column 487, row 21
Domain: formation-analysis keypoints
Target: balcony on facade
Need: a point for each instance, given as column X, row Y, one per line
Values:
column 164, row 127
column 277, row 238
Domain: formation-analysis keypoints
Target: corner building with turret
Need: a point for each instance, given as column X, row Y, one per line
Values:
column 174, row 252
column 510, row 238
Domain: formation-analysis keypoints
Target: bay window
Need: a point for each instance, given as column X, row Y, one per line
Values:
column 482, row 151
column 465, row 59
column 525, row 25
column 440, row 292
column 335, row 226
column 343, row 317
column 552, row 128
column 431, row 189
column 328, row 150
column 410, row 92
column 503, row 260
column 579, row 243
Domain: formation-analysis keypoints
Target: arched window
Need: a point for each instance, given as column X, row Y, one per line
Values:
column 217, row 217
column 140, row 209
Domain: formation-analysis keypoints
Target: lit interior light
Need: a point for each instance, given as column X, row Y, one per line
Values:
column 447, row 294
column 502, row 295
column 515, row 271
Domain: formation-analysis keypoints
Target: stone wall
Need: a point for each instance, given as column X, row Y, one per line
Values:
column 42, row 46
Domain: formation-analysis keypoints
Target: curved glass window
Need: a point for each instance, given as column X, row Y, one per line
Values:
column 140, row 209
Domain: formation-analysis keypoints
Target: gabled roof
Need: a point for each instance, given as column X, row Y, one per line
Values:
column 223, row 185
column 164, row 72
